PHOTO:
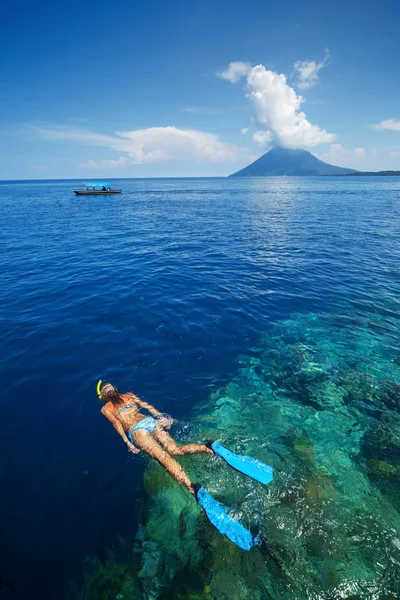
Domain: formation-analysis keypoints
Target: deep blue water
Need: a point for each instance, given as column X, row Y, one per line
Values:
column 158, row 290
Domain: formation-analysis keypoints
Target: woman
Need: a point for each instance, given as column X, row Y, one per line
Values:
column 146, row 433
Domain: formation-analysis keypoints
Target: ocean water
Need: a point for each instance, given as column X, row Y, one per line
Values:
column 263, row 313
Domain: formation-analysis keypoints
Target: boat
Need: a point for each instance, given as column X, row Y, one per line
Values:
column 97, row 189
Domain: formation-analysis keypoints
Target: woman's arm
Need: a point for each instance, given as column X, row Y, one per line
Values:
column 164, row 420
column 153, row 411
column 118, row 427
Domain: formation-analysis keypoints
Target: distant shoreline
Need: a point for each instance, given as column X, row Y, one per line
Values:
column 366, row 173
column 355, row 174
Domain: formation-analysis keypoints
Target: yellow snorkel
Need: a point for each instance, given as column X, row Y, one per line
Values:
column 98, row 390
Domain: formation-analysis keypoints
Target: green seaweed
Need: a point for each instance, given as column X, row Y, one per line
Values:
column 112, row 580
column 380, row 468
column 157, row 479
column 304, row 448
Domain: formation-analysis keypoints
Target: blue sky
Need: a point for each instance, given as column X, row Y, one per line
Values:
column 174, row 88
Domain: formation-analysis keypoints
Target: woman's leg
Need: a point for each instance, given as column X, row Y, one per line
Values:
column 145, row 441
column 172, row 447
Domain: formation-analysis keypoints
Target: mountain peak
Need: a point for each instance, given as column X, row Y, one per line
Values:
column 289, row 161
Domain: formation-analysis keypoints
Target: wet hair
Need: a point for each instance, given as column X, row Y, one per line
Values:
column 108, row 392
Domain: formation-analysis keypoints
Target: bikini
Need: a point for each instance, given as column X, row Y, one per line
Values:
column 147, row 423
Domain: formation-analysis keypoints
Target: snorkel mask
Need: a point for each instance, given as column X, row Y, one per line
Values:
column 106, row 391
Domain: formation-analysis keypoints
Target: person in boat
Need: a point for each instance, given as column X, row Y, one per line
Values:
column 146, row 433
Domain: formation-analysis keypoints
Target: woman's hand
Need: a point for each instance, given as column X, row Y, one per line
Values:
column 132, row 448
column 165, row 422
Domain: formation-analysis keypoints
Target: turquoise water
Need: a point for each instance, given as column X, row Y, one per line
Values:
column 260, row 313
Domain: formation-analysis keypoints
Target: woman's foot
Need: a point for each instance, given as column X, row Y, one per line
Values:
column 209, row 444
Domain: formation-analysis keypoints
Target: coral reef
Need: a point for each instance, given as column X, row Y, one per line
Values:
column 318, row 400
column 107, row 580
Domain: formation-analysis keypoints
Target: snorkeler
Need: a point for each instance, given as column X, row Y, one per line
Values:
column 146, row 433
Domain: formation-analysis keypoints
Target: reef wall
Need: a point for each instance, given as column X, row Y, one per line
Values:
column 318, row 399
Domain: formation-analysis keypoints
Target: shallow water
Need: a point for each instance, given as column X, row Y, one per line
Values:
column 262, row 312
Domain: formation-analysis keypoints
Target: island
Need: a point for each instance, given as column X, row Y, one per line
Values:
column 295, row 162
column 291, row 162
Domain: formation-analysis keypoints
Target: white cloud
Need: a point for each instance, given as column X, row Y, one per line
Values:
column 235, row 71
column 244, row 130
column 203, row 110
column 153, row 145
column 359, row 152
column 90, row 138
column 38, row 168
column 389, row 124
column 394, row 151
column 264, row 138
column 105, row 164
column 276, row 105
column 342, row 157
column 307, row 71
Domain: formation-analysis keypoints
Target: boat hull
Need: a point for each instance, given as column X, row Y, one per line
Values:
column 96, row 192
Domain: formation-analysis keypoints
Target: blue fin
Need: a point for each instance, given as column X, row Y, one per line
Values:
column 245, row 464
column 217, row 514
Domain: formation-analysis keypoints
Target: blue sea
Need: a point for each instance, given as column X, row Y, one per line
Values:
column 260, row 312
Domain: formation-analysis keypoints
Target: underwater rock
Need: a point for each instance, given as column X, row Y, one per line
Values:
column 158, row 570
column 105, row 581
column 304, row 448
column 380, row 468
column 167, row 511
column 328, row 395
column 382, row 442
column 336, row 438
column 225, row 416
column 225, row 585
column 315, row 490
column 156, row 479
column 227, row 401
column 227, row 412
column 151, row 553
column 253, row 379
column 222, row 553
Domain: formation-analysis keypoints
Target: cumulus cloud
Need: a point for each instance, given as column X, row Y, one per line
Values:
column 153, row 145
column 389, row 124
column 343, row 157
column 264, row 138
column 277, row 108
column 235, row 71
column 307, row 71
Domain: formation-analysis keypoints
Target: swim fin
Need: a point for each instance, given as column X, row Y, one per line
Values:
column 227, row 525
column 245, row 464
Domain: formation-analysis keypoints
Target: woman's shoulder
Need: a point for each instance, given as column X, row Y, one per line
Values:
column 129, row 397
column 108, row 407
